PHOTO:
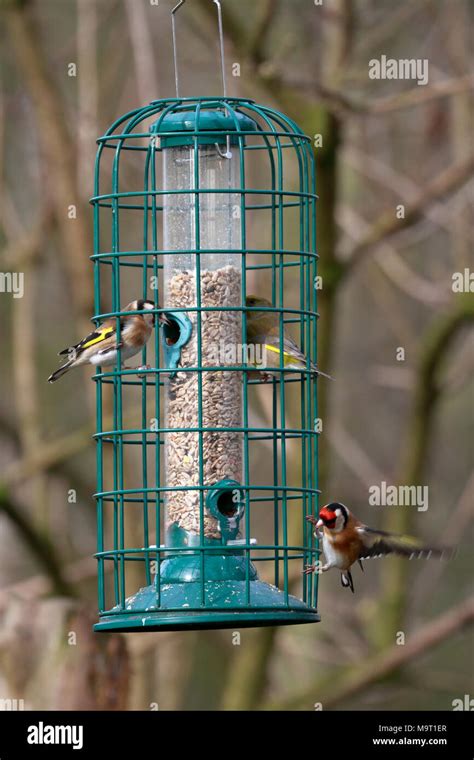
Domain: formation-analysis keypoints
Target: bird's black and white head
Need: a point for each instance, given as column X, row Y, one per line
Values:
column 333, row 516
column 144, row 306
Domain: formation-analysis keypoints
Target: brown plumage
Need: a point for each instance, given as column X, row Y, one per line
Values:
column 100, row 347
column 346, row 540
column 263, row 330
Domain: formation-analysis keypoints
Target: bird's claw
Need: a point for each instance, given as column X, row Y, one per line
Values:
column 140, row 369
column 309, row 569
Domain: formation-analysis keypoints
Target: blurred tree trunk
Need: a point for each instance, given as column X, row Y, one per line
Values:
column 88, row 95
column 142, row 47
column 59, row 155
column 54, row 636
column 434, row 349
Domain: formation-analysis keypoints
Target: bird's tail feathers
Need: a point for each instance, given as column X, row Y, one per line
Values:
column 60, row 372
column 317, row 371
column 292, row 350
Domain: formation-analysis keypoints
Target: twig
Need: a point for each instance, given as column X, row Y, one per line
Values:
column 19, row 251
column 58, row 151
column 386, row 663
column 372, row 167
column 49, row 454
column 435, row 345
column 419, row 95
column 348, row 105
column 39, row 545
column 392, row 264
column 388, row 224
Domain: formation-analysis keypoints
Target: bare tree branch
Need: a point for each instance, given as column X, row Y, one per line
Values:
column 39, row 544
column 50, row 453
column 435, row 345
column 59, row 153
column 420, row 95
column 388, row 224
column 372, row 167
column 336, row 691
column 349, row 105
column 392, row 264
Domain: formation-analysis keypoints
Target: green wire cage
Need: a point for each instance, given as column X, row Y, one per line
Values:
column 195, row 198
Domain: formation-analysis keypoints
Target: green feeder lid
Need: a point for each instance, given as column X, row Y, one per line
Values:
column 210, row 120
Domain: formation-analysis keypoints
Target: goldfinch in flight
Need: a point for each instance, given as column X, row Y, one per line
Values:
column 346, row 540
column 263, row 328
column 101, row 346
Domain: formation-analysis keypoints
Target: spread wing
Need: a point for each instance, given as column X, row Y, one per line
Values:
column 100, row 337
column 378, row 543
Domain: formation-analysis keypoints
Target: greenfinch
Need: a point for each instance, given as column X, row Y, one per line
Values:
column 263, row 329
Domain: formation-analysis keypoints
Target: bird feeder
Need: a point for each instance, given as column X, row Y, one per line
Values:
column 227, row 193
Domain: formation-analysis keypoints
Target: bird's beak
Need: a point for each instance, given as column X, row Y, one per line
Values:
column 164, row 319
column 317, row 523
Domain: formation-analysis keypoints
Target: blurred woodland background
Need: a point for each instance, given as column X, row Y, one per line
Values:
column 387, row 283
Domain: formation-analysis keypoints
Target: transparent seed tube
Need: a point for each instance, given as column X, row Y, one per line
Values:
column 217, row 401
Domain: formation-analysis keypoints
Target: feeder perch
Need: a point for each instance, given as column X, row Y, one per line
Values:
column 203, row 213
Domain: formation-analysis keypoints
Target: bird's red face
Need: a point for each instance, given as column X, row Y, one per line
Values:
column 328, row 517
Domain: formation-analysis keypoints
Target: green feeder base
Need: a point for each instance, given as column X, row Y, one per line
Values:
column 183, row 601
column 181, row 608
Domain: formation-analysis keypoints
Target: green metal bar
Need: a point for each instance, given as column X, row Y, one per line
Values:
column 282, row 386
column 146, row 534
column 245, row 378
column 197, row 227
column 98, row 385
column 158, row 438
column 281, row 193
column 119, row 531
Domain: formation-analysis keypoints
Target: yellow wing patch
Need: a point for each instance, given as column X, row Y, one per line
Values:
column 102, row 335
column 287, row 358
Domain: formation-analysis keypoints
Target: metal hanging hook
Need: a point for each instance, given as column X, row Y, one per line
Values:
column 227, row 153
column 221, row 44
column 175, row 48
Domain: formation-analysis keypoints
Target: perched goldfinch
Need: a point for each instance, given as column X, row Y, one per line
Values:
column 346, row 540
column 101, row 346
column 263, row 329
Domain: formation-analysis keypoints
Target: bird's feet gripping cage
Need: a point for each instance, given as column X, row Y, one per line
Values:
column 207, row 463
